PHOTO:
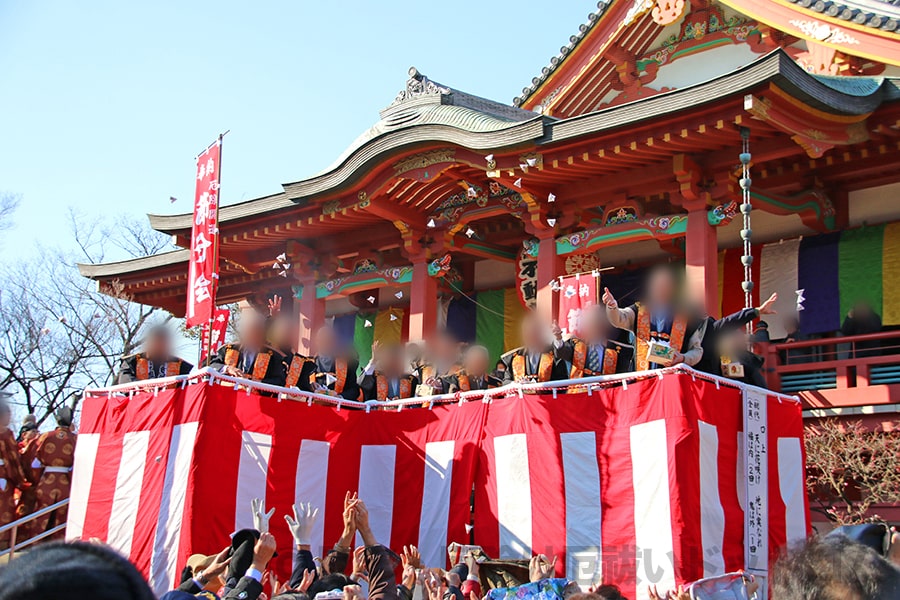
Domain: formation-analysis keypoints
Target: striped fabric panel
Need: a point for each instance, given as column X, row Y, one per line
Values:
column 860, row 267
column 890, row 275
column 489, row 321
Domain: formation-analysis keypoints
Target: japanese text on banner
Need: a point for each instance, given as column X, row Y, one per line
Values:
column 204, row 269
column 576, row 293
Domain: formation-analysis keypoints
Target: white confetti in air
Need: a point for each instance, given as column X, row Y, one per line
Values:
column 518, row 182
column 431, row 224
column 531, row 161
column 489, row 157
column 368, row 323
column 470, row 232
column 551, row 198
column 551, row 222
column 371, row 299
column 398, row 295
column 393, row 317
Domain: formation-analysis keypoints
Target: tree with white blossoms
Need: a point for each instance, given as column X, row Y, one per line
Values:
column 58, row 334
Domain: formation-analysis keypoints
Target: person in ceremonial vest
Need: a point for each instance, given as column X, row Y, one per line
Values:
column 474, row 374
column 736, row 361
column 597, row 352
column 665, row 334
column 297, row 368
column 537, row 360
column 441, row 360
column 385, row 377
column 12, row 476
column 335, row 368
column 251, row 358
column 717, row 329
column 51, row 460
column 156, row 360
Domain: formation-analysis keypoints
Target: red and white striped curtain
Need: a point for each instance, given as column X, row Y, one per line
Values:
column 638, row 484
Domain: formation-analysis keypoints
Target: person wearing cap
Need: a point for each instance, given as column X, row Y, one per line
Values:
column 11, row 474
column 155, row 361
column 51, row 462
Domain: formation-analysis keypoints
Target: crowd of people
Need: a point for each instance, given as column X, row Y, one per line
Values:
column 35, row 473
column 661, row 330
column 829, row 568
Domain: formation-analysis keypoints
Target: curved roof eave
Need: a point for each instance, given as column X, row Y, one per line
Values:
column 133, row 265
column 776, row 67
column 391, row 141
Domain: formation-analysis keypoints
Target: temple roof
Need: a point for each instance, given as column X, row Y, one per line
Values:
column 878, row 14
column 133, row 265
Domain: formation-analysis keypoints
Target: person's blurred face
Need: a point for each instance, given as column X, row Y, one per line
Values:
column 444, row 348
column 253, row 331
column 393, row 360
column 534, row 334
column 661, row 287
column 282, row 332
column 159, row 345
column 326, row 343
column 476, row 361
column 413, row 352
column 5, row 417
column 593, row 324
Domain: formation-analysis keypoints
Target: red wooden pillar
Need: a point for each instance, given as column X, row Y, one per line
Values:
column 547, row 270
column 701, row 259
column 423, row 302
column 310, row 317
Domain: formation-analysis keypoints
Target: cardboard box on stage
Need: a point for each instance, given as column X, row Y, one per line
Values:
column 660, row 478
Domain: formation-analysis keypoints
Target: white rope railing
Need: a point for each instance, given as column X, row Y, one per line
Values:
column 511, row 389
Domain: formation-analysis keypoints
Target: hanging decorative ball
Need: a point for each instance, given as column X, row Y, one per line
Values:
column 747, row 260
column 745, row 234
column 745, row 157
column 746, row 208
column 747, row 286
column 745, row 183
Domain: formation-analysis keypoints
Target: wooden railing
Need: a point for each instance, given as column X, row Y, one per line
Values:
column 838, row 363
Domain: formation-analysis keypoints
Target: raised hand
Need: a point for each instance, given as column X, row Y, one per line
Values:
column 274, row 305
column 301, row 525
column 362, row 523
column 309, row 576
column 609, row 300
column 541, row 568
column 359, row 562
column 260, row 516
column 218, row 566
column 263, row 551
column 353, row 592
column 768, row 307
column 411, row 556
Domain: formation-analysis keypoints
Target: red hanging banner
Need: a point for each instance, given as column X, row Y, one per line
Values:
column 576, row 293
column 203, row 276
column 218, row 328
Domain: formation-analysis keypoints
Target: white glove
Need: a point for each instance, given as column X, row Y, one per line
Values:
column 260, row 516
column 301, row 525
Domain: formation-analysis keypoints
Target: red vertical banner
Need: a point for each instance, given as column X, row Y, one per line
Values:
column 576, row 293
column 204, row 264
column 212, row 335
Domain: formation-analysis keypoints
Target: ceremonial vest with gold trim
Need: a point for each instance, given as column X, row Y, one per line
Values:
column 579, row 360
column 644, row 333
column 340, row 375
column 545, row 367
column 260, row 363
column 465, row 384
column 382, row 387
column 295, row 369
column 144, row 369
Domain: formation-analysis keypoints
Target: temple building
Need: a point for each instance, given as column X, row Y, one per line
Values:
column 624, row 151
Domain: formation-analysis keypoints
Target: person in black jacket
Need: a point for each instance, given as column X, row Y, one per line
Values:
column 717, row 329
column 862, row 320
column 251, row 357
column 538, row 359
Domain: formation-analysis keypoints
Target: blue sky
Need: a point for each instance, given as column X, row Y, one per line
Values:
column 105, row 104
